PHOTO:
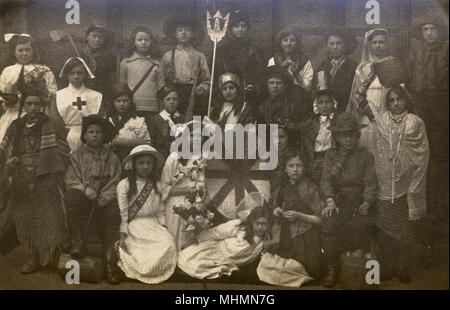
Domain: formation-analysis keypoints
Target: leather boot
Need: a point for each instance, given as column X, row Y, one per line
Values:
column 112, row 277
column 330, row 277
column 78, row 248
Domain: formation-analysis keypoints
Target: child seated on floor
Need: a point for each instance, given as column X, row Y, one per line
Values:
column 293, row 257
column 227, row 247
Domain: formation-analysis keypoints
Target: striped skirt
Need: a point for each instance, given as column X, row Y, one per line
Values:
column 392, row 218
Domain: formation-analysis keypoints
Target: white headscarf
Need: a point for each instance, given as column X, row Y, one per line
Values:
column 89, row 72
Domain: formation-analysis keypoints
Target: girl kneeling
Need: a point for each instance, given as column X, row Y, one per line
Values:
column 147, row 250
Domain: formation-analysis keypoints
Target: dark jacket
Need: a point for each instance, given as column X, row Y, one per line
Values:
column 342, row 82
column 160, row 133
column 309, row 131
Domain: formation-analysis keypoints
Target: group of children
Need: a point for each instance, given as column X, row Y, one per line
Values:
column 71, row 154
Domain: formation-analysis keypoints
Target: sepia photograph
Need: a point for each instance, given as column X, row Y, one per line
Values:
column 198, row 145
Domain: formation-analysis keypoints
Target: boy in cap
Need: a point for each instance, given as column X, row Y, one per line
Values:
column 91, row 181
column 350, row 186
column 184, row 64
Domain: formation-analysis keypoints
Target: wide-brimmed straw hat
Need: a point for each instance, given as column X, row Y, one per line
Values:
column 346, row 121
column 143, row 149
column 109, row 131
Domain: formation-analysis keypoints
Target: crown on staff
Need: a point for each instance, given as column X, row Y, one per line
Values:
column 216, row 33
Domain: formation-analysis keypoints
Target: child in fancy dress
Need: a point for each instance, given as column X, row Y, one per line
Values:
column 140, row 71
column 76, row 100
column 224, row 249
column 91, row 180
column 14, row 77
column 293, row 258
column 162, row 123
column 147, row 250
column 184, row 64
column 131, row 129
column 181, row 178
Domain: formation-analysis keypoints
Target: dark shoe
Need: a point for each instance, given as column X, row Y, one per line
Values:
column 330, row 277
column 403, row 275
column 78, row 249
column 30, row 266
column 112, row 276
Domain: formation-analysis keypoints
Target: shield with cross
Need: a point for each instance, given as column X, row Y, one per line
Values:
column 227, row 182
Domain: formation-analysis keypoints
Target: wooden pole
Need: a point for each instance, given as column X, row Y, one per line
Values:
column 212, row 77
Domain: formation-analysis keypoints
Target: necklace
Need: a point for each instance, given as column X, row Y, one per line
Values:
column 394, row 154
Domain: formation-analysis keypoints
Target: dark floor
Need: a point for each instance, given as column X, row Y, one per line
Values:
column 435, row 276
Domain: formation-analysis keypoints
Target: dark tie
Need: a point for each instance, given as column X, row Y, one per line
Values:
column 173, row 118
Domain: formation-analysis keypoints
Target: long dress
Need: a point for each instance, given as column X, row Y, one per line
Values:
column 8, row 85
column 34, row 191
column 72, row 104
column 175, row 173
column 150, row 254
column 220, row 251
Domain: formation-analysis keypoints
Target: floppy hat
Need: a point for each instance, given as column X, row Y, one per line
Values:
column 109, row 131
column 171, row 24
column 346, row 121
column 143, row 149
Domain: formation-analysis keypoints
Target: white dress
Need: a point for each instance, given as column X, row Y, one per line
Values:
column 72, row 104
column 149, row 254
column 9, row 77
column 220, row 251
column 175, row 174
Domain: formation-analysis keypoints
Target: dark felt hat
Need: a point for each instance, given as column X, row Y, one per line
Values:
column 109, row 131
column 280, row 72
column 350, row 42
column 171, row 25
column 442, row 27
column 346, row 121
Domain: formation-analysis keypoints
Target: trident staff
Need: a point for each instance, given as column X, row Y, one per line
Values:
column 216, row 34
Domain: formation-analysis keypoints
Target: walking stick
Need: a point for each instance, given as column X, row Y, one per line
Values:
column 216, row 35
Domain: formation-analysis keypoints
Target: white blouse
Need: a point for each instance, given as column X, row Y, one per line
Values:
column 151, row 207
